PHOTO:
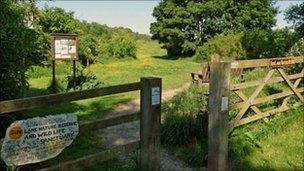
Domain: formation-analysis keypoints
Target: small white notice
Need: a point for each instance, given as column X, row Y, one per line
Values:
column 155, row 96
column 225, row 104
column 38, row 139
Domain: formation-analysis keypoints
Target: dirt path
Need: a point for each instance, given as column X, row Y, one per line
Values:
column 129, row 132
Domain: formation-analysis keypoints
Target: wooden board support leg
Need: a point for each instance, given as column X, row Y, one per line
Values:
column 150, row 108
column 218, row 116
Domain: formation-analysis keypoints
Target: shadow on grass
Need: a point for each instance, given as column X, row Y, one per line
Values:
column 166, row 57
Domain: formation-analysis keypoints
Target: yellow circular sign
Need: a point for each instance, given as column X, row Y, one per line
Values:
column 15, row 132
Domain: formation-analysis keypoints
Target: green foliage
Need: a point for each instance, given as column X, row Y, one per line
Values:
column 184, row 122
column 251, row 44
column 228, row 46
column 295, row 15
column 183, row 25
column 268, row 43
column 56, row 20
column 298, row 48
column 121, row 44
column 88, row 45
column 252, row 147
column 195, row 155
column 17, row 41
column 95, row 29
column 83, row 81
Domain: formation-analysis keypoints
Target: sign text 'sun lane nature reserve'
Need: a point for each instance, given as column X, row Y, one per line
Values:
column 38, row 139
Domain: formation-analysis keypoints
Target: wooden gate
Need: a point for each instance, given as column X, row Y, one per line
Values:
column 245, row 102
column 247, row 107
column 149, row 116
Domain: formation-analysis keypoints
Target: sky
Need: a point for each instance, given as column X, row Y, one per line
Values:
column 136, row 14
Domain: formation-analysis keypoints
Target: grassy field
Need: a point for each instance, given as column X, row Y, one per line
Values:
column 151, row 61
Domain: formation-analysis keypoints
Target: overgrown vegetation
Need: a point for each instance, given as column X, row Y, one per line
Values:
column 184, row 117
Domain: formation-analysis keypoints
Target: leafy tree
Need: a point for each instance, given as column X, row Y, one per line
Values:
column 121, row 44
column 268, row 43
column 56, row 20
column 88, row 45
column 227, row 46
column 95, row 29
column 297, row 49
column 295, row 15
column 18, row 44
column 183, row 25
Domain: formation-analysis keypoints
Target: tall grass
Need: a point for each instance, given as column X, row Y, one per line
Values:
column 185, row 130
column 184, row 117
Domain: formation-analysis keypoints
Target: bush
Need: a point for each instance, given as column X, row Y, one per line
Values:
column 184, row 120
column 121, row 44
column 88, row 48
column 268, row 43
column 83, row 80
column 297, row 49
column 227, row 46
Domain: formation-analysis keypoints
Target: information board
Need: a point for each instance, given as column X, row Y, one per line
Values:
column 64, row 46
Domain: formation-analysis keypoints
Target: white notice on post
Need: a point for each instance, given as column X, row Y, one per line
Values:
column 38, row 139
column 224, row 105
column 155, row 95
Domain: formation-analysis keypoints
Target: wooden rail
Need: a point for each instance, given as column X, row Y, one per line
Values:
column 269, row 62
column 292, row 81
column 104, row 123
column 271, row 81
column 39, row 101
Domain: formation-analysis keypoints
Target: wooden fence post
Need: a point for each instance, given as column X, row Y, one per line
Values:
column 150, row 109
column 218, row 116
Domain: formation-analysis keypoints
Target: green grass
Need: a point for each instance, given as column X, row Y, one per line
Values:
column 276, row 145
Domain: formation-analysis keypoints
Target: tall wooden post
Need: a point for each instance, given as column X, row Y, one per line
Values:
column 150, row 109
column 218, row 116
column 74, row 74
column 23, row 65
column 53, row 72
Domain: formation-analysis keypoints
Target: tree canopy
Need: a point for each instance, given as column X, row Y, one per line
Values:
column 182, row 25
column 295, row 15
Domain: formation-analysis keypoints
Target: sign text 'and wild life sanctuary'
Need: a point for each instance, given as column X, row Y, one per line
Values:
column 38, row 139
